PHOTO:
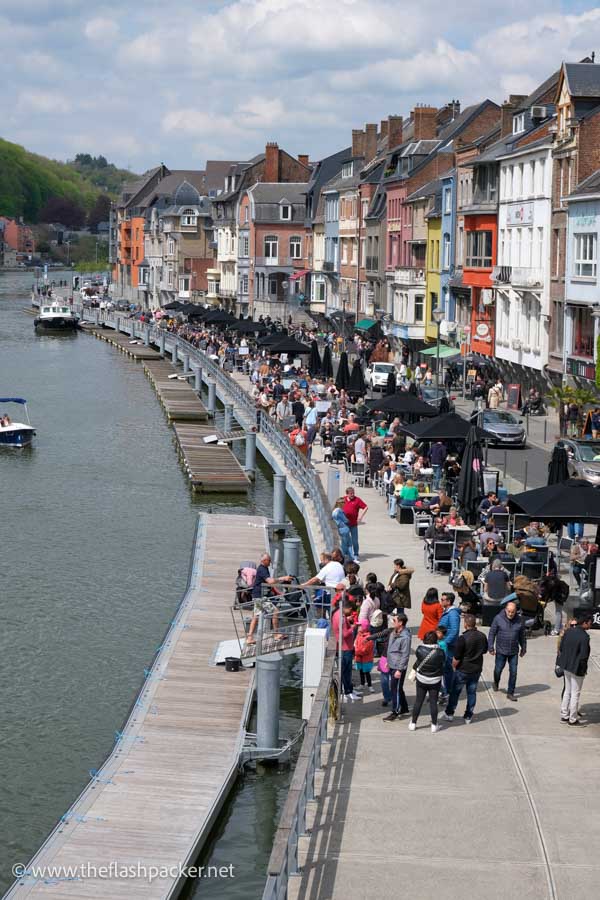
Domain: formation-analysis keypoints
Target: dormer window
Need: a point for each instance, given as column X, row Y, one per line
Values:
column 348, row 169
column 189, row 217
column 285, row 212
column 519, row 123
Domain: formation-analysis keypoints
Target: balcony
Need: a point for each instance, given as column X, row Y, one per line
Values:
column 519, row 277
column 329, row 266
column 275, row 262
column 501, row 274
column 408, row 275
column 581, row 368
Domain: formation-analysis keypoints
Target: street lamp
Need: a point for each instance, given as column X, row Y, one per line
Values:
column 285, row 285
column 438, row 315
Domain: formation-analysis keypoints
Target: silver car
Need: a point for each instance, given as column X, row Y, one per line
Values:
column 584, row 459
column 508, row 431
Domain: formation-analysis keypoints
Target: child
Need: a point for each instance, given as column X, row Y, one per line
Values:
column 441, row 634
column 363, row 653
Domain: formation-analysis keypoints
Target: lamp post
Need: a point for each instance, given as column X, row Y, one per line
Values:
column 438, row 315
column 286, row 286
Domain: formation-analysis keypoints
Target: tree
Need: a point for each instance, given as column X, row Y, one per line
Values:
column 99, row 212
column 63, row 210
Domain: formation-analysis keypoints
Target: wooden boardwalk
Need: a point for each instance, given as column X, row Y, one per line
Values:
column 123, row 342
column 209, row 467
column 178, row 398
column 157, row 796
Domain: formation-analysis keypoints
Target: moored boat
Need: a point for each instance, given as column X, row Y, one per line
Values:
column 15, row 434
column 56, row 315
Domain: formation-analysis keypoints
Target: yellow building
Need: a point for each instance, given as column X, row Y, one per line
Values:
column 433, row 285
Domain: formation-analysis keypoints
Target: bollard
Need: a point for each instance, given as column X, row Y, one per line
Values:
column 334, row 485
column 525, row 476
column 212, row 398
column 147, row 335
column 505, row 463
column 250, row 467
column 527, row 424
column 174, row 354
column 279, row 500
column 186, row 363
column 291, row 555
column 198, row 380
column 161, row 344
column 228, row 423
column 545, row 430
column 268, row 676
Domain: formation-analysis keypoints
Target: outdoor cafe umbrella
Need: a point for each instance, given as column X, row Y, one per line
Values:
column 390, row 387
column 290, row 346
column 175, row 306
column 402, row 403
column 269, row 339
column 342, row 379
column 470, row 482
column 327, row 365
column 450, row 427
column 314, row 363
column 357, row 386
column 247, row 326
column 220, row 317
column 558, row 467
column 574, row 500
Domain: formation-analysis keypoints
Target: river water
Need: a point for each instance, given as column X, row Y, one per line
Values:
column 96, row 530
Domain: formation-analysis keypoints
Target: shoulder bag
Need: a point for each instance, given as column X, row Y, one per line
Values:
column 413, row 672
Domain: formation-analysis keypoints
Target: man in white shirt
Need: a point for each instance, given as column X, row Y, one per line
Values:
column 360, row 449
column 283, row 410
column 330, row 574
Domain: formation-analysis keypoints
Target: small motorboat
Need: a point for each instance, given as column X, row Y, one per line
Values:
column 15, row 434
column 56, row 315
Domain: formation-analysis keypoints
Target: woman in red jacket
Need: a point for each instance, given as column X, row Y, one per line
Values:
column 432, row 612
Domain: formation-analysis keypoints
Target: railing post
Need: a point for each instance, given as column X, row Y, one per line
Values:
column 96, row 316
column 198, row 380
column 228, row 422
column 132, row 327
column 212, row 398
column 291, row 555
column 147, row 335
column 161, row 344
column 186, row 363
column 279, row 500
column 174, row 352
column 250, row 467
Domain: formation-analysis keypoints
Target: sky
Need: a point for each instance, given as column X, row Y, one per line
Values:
column 180, row 82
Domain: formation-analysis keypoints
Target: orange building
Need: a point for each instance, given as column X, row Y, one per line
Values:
column 481, row 240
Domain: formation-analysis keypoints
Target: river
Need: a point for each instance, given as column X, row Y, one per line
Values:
column 96, row 532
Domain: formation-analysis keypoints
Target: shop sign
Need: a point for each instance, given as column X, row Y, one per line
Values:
column 482, row 332
column 519, row 214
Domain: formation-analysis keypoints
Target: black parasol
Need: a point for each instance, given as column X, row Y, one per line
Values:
column 390, row 387
column 247, row 326
column 357, row 386
column 470, row 482
column 290, row 346
column 558, row 467
column 314, row 364
column 574, row 500
column 450, row 427
column 327, row 364
column 342, row 379
column 402, row 403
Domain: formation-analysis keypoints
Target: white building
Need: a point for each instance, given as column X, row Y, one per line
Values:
column 522, row 276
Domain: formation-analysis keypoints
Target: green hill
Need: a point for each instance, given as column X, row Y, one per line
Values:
column 28, row 181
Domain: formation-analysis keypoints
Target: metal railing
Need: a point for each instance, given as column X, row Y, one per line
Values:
column 295, row 463
column 283, row 861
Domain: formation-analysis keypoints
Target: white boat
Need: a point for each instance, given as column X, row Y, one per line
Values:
column 15, row 434
column 56, row 315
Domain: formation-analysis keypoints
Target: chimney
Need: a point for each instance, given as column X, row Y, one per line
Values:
column 303, row 158
column 506, row 113
column 370, row 142
column 448, row 113
column 383, row 128
column 394, row 131
column 425, row 123
column 358, row 142
column 271, row 162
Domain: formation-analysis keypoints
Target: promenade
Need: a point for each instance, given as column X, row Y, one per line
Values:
column 506, row 808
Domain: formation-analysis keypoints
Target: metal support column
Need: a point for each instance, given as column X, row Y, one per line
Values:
column 279, row 500
column 268, row 675
column 96, row 317
column 212, row 397
column 132, row 327
column 186, row 363
column 250, row 467
column 161, row 344
column 228, row 423
column 198, row 380
column 291, row 555
column 147, row 335
column 174, row 352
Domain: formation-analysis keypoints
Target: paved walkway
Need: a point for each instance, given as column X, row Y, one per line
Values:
column 506, row 808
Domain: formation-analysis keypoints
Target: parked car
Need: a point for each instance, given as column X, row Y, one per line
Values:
column 508, row 431
column 376, row 375
column 584, row 459
column 434, row 396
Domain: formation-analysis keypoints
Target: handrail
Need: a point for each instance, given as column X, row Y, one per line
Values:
column 283, row 861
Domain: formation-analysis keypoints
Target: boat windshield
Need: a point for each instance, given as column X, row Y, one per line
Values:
column 64, row 309
column 45, row 309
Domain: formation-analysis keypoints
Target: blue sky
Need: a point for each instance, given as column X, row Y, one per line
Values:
column 183, row 81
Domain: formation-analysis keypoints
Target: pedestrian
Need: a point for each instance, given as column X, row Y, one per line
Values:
column 450, row 620
column 494, row 396
column 507, row 641
column 347, row 626
column 355, row 510
column 428, row 669
column 431, row 611
column 572, row 658
column 496, row 581
column 399, row 586
column 553, row 589
column 339, row 517
column 364, row 651
column 469, row 650
column 398, row 654
column 438, row 455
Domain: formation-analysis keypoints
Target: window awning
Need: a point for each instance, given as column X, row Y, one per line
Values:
column 445, row 351
column 298, row 275
column 365, row 324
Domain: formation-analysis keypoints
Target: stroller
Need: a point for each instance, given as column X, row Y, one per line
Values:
column 338, row 448
column 531, row 606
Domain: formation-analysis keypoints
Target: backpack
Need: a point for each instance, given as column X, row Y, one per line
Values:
column 376, row 619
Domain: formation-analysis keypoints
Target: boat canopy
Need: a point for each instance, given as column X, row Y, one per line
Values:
column 12, row 400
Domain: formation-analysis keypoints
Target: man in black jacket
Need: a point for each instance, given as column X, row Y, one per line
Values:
column 468, row 653
column 506, row 636
column 573, row 659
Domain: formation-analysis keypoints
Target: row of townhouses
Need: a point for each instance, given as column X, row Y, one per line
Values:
column 477, row 226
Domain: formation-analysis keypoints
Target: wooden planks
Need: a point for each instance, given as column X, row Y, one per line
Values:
column 178, row 399
column 123, row 342
column 210, row 467
column 157, row 796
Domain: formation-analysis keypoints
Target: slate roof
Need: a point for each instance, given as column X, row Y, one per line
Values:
column 216, row 170
column 542, row 89
column 590, row 185
column 339, row 183
column 426, row 190
column 268, row 196
column 583, row 79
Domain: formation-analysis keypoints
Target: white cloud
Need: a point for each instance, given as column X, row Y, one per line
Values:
column 102, row 29
column 44, row 102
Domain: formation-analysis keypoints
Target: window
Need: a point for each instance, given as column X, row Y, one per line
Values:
column 446, row 260
column 585, row 256
column 347, row 169
column 171, row 247
column 271, row 247
column 189, row 217
column 447, row 200
column 184, row 284
column 479, row 249
column 245, row 241
column 556, row 255
column 244, row 284
column 331, row 209
column 320, row 291
column 365, row 209
column 296, row 247
column 419, row 308
column 583, row 332
column 461, row 246
column 519, row 123
column 246, row 213
column 285, row 212
column 537, row 259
